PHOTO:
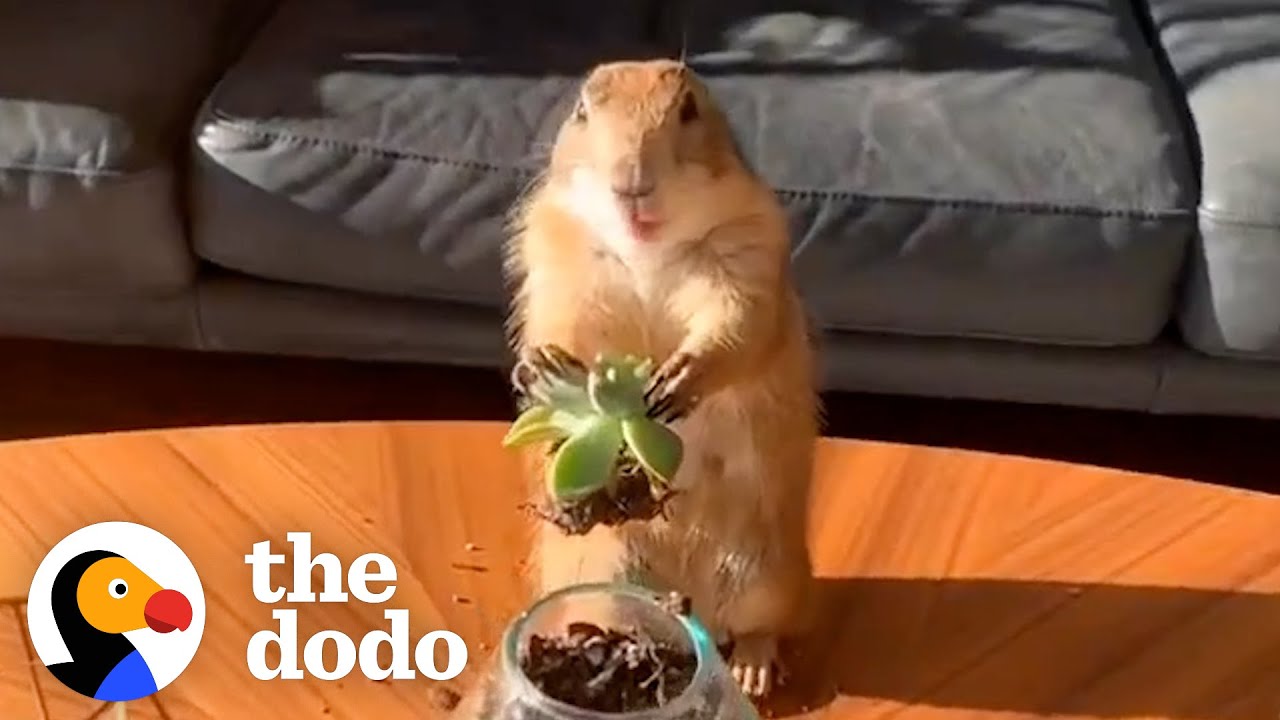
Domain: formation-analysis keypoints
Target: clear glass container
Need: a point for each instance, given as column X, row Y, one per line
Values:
column 711, row 695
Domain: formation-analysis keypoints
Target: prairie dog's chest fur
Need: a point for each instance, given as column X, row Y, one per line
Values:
column 604, row 304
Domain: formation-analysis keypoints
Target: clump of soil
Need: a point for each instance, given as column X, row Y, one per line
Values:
column 631, row 497
column 606, row 670
column 442, row 698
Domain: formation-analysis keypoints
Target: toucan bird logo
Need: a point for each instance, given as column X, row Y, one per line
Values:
column 116, row 611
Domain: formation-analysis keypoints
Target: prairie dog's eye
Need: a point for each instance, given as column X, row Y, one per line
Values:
column 688, row 109
column 118, row 588
column 580, row 112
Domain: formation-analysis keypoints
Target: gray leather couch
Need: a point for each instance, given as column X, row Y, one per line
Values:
column 1058, row 201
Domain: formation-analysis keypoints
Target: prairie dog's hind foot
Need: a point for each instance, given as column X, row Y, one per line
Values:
column 755, row 664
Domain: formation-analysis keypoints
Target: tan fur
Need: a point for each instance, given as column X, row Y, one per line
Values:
column 715, row 283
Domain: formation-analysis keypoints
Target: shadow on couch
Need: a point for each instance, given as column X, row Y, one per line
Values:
column 1213, row 35
column 764, row 36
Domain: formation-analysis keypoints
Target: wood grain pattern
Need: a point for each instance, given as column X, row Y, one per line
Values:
column 955, row 584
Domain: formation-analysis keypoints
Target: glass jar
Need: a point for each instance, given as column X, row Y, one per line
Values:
column 711, row 695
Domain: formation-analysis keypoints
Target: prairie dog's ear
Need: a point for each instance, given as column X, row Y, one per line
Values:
column 706, row 137
column 579, row 112
column 689, row 108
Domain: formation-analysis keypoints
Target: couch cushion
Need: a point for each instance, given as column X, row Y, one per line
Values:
column 243, row 314
column 1193, row 383
column 999, row 171
column 1226, row 56
column 376, row 145
column 93, row 108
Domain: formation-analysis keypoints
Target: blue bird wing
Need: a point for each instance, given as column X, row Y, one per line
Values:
column 130, row 679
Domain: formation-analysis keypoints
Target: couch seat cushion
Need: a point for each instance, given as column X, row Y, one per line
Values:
column 985, row 169
column 1224, row 55
column 94, row 104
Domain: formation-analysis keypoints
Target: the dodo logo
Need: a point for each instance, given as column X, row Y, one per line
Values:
column 116, row 611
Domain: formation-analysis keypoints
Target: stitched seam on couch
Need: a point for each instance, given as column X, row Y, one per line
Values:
column 1218, row 217
column 70, row 171
column 799, row 193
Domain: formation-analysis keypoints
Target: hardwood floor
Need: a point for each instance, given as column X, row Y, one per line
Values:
column 51, row 388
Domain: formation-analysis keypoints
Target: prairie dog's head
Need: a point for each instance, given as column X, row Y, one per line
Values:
column 644, row 155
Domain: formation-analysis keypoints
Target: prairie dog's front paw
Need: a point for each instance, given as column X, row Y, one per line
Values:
column 754, row 664
column 522, row 376
column 672, row 391
column 540, row 362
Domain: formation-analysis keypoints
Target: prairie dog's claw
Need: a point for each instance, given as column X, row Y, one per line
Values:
column 540, row 362
column 522, row 376
column 559, row 359
column 669, row 392
column 754, row 664
column 667, row 374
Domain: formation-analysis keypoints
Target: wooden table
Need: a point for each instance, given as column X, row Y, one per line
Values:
column 958, row 585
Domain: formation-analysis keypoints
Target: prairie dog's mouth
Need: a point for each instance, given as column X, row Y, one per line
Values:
column 642, row 218
column 644, row 230
column 623, row 221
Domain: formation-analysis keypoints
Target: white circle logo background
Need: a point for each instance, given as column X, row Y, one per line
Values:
column 154, row 554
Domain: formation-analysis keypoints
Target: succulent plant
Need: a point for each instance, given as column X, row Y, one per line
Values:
column 596, row 422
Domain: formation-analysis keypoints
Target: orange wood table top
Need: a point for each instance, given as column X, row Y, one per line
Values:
column 956, row 584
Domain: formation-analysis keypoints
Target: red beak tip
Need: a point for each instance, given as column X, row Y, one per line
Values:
column 168, row 610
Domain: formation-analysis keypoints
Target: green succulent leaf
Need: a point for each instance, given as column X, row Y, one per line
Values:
column 543, row 423
column 562, row 394
column 655, row 446
column 616, row 386
column 641, row 368
column 586, row 461
column 537, row 424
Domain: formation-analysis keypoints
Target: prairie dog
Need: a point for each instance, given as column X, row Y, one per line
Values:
column 647, row 234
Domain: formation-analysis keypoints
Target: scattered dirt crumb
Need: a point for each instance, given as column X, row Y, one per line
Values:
column 443, row 698
column 461, row 600
column 470, row 567
column 677, row 604
column 471, row 547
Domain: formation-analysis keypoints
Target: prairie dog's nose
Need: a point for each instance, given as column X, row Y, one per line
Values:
column 632, row 181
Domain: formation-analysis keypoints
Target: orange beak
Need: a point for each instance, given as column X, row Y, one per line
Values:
column 168, row 610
